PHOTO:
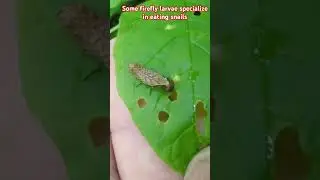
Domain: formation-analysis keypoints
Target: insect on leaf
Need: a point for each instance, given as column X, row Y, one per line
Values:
column 149, row 77
column 176, row 50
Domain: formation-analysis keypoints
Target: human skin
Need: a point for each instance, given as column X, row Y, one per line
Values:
column 131, row 157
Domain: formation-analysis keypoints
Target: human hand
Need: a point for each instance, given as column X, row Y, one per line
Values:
column 131, row 157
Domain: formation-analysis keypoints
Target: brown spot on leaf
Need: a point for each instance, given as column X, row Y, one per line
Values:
column 141, row 103
column 163, row 116
column 173, row 96
column 201, row 114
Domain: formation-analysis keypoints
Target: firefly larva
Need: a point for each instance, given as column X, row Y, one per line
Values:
column 88, row 28
column 150, row 78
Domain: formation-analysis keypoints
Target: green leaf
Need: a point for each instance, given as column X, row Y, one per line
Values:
column 52, row 67
column 115, row 3
column 176, row 49
column 115, row 6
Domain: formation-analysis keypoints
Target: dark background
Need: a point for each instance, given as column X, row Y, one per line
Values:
column 26, row 152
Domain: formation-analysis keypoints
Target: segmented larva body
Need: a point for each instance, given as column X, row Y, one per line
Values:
column 88, row 28
column 150, row 78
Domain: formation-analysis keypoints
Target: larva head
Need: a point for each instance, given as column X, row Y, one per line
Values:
column 170, row 86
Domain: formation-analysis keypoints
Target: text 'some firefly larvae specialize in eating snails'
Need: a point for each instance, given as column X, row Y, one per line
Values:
column 150, row 78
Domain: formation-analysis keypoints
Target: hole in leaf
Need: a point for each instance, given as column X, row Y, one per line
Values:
column 141, row 103
column 163, row 116
column 173, row 96
column 201, row 113
column 99, row 131
column 290, row 161
column 197, row 13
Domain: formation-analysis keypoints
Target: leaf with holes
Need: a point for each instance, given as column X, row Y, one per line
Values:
column 176, row 124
